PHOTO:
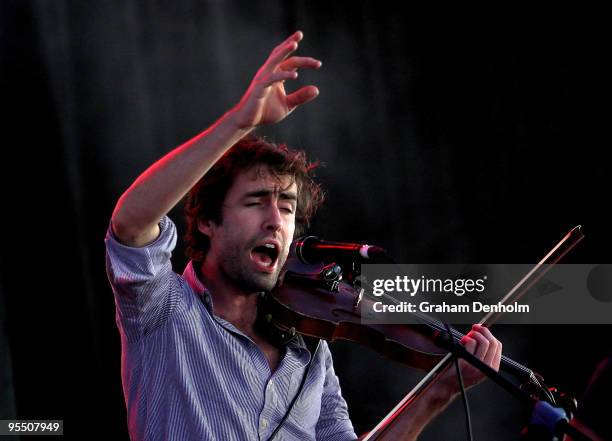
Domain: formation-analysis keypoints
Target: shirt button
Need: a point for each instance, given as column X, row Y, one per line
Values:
column 264, row 423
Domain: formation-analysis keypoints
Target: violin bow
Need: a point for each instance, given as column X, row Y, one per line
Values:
column 569, row 241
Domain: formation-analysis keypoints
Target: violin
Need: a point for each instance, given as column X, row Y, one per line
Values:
column 319, row 301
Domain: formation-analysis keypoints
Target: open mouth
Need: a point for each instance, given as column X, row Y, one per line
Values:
column 266, row 255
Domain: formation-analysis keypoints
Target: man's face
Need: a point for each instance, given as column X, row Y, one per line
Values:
column 252, row 242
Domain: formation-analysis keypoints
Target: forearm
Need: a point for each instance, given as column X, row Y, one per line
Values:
column 164, row 184
column 156, row 191
column 435, row 398
column 409, row 425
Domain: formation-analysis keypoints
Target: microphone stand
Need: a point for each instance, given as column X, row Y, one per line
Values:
column 554, row 418
column 544, row 414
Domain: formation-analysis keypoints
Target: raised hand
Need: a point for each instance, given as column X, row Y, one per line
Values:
column 266, row 101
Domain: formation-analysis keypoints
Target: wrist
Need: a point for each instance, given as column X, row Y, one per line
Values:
column 441, row 394
column 235, row 121
column 226, row 131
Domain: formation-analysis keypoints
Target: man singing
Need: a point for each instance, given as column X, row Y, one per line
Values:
column 194, row 365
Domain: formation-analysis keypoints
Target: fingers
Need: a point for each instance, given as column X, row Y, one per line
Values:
column 480, row 342
column 296, row 36
column 483, row 347
column 493, row 357
column 288, row 71
column 289, row 67
column 278, row 68
column 294, row 63
column 283, row 50
column 302, row 96
column 497, row 358
column 280, row 76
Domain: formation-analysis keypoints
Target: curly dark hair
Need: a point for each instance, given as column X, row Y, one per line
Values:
column 205, row 199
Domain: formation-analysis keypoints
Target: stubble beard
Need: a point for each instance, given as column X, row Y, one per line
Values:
column 235, row 267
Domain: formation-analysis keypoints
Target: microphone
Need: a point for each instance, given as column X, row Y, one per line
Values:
column 311, row 250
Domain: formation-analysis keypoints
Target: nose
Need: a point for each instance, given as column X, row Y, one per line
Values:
column 274, row 220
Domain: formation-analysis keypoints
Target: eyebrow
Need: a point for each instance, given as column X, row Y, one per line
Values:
column 286, row 195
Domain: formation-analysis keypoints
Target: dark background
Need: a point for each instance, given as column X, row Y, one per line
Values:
column 449, row 134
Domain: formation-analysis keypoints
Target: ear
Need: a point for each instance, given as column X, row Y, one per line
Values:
column 206, row 227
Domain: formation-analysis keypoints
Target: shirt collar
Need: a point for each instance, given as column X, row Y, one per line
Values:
column 191, row 276
column 192, row 279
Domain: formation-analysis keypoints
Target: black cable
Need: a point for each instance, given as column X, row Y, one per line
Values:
column 466, row 407
column 297, row 394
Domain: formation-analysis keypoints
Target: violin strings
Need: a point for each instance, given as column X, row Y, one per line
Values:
column 437, row 325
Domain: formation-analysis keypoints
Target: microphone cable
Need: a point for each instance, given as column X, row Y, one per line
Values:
column 466, row 407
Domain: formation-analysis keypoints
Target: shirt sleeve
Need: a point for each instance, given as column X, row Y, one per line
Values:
column 334, row 423
column 145, row 287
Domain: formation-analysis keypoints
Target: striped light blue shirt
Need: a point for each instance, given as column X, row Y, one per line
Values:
column 190, row 375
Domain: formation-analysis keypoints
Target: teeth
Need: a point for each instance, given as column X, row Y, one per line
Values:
column 269, row 245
